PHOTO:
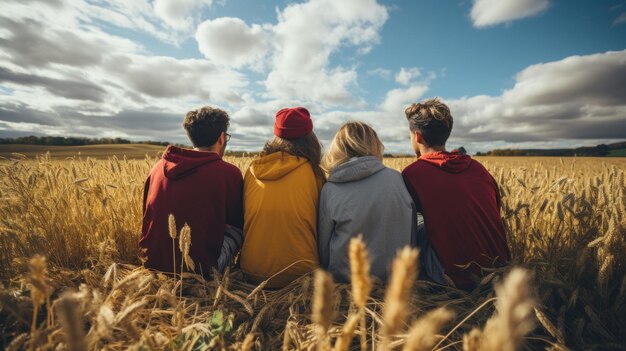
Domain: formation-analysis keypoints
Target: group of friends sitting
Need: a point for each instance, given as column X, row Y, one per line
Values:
column 296, row 209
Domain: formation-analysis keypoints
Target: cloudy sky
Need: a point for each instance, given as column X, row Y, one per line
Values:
column 516, row 73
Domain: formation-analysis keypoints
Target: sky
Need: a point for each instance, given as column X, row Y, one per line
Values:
column 515, row 73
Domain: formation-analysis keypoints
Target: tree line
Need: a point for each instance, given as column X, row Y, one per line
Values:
column 595, row 151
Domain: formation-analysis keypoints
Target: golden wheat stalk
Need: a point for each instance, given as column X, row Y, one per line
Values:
column 185, row 245
column 69, row 311
column 514, row 314
column 403, row 275
column 343, row 341
column 171, row 225
column 360, row 280
column 39, row 290
column 423, row 333
column 323, row 307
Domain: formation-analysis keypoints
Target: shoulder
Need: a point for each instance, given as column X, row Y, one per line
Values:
column 390, row 174
column 229, row 167
column 412, row 168
column 158, row 166
column 478, row 167
column 330, row 188
column 225, row 171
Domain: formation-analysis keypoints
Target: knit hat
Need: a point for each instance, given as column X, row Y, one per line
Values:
column 293, row 123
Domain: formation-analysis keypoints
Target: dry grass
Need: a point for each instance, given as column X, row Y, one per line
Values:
column 566, row 227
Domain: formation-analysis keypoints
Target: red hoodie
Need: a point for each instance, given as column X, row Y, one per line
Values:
column 199, row 189
column 460, row 203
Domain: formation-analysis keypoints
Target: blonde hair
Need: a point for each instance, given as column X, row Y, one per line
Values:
column 353, row 139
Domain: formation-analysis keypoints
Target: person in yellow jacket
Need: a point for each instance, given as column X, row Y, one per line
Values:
column 281, row 194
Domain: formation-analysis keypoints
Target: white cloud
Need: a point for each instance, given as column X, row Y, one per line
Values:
column 397, row 100
column 229, row 41
column 167, row 77
column 304, row 38
column 136, row 15
column 61, row 72
column 407, row 75
column 177, row 13
column 620, row 19
column 380, row 72
column 493, row 12
column 67, row 76
column 579, row 97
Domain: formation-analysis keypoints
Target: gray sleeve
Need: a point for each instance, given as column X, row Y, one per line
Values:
column 233, row 239
column 325, row 228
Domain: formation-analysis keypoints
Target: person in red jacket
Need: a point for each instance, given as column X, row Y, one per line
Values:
column 200, row 190
column 458, row 198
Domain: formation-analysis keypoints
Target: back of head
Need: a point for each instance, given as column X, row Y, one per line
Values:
column 293, row 134
column 307, row 147
column 354, row 139
column 205, row 125
column 432, row 118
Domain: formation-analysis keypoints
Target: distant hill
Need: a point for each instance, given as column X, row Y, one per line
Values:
column 610, row 150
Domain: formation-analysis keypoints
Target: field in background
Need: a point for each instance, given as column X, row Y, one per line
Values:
column 131, row 151
column 566, row 222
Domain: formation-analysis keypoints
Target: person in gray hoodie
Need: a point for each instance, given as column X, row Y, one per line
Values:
column 362, row 196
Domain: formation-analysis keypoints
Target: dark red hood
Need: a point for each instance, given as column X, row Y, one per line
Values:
column 452, row 162
column 179, row 162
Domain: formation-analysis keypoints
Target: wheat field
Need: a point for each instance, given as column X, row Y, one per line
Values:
column 71, row 279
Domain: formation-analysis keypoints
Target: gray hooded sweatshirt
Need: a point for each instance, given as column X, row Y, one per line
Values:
column 362, row 196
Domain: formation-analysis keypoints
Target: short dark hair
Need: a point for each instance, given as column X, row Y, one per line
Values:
column 432, row 118
column 205, row 125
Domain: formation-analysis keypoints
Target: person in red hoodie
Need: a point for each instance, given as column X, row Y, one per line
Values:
column 200, row 190
column 457, row 197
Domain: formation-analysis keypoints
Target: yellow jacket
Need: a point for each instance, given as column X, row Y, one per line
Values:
column 281, row 194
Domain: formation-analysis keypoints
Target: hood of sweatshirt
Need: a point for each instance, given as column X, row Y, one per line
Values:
column 179, row 163
column 275, row 165
column 356, row 169
column 452, row 162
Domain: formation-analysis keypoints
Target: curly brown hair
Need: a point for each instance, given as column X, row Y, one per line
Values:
column 205, row 125
column 432, row 118
column 307, row 147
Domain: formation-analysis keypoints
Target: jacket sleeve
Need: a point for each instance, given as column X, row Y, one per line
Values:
column 325, row 228
column 233, row 239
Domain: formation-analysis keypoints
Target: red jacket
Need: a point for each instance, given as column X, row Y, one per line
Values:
column 199, row 189
column 460, row 203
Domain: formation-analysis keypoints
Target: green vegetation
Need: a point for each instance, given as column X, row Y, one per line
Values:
column 616, row 149
column 618, row 153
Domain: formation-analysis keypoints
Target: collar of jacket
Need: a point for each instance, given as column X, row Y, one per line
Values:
column 356, row 169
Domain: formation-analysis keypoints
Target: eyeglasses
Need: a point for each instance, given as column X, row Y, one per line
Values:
column 227, row 136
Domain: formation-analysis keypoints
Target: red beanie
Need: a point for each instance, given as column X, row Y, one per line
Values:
column 293, row 123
